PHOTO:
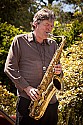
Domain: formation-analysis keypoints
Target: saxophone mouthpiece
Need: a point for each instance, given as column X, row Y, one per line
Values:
column 51, row 35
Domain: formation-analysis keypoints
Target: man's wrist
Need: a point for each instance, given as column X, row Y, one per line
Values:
column 25, row 89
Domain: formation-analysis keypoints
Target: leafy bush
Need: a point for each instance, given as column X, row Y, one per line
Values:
column 18, row 12
column 7, row 101
column 71, row 100
column 7, row 33
column 70, row 31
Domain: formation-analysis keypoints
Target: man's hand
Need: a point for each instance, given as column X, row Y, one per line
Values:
column 33, row 93
column 57, row 69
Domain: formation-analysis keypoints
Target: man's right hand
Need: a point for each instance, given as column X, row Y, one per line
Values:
column 32, row 92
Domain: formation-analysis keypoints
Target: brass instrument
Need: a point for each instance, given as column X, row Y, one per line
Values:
column 46, row 87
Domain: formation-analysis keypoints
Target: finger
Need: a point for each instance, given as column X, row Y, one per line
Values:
column 32, row 96
column 37, row 91
column 36, row 95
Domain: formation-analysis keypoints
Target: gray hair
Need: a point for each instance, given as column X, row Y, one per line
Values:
column 43, row 14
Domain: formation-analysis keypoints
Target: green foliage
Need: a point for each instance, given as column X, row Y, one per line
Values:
column 8, row 9
column 7, row 101
column 78, row 15
column 7, row 33
column 73, row 65
column 71, row 108
column 71, row 100
column 71, row 31
column 18, row 12
column 21, row 12
column 24, row 14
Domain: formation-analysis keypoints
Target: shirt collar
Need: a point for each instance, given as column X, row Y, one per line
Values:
column 31, row 39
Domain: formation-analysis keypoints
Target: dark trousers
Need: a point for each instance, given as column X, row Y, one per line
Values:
column 50, row 116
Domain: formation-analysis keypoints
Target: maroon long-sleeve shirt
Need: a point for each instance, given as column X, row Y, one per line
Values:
column 25, row 60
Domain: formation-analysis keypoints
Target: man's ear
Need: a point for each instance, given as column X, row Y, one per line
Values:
column 35, row 24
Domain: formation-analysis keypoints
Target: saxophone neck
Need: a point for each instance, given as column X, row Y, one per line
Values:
column 62, row 36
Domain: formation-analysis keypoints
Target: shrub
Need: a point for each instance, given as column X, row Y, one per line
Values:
column 7, row 101
column 71, row 31
column 71, row 99
column 7, row 33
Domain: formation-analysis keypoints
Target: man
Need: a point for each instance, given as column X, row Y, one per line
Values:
column 27, row 61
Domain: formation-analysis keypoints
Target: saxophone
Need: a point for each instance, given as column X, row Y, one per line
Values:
column 46, row 88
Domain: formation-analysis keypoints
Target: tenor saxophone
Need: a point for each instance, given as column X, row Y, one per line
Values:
column 46, row 88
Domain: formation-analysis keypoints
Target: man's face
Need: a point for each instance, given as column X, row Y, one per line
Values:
column 44, row 28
